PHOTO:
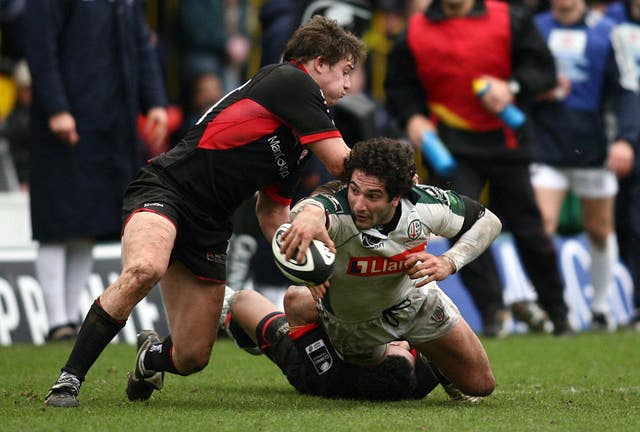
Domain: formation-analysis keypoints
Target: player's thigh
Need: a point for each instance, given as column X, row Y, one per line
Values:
column 459, row 354
column 148, row 238
column 193, row 308
column 550, row 186
column 147, row 241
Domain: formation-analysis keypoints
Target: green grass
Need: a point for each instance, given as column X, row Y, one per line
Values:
column 589, row 382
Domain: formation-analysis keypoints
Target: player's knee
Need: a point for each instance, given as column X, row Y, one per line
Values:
column 484, row 384
column 243, row 297
column 193, row 362
column 292, row 294
column 299, row 305
column 296, row 296
column 144, row 274
column 598, row 233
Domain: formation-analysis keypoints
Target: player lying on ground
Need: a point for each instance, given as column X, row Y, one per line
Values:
column 304, row 353
column 383, row 286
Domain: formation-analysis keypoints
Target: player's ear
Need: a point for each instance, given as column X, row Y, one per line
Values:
column 318, row 63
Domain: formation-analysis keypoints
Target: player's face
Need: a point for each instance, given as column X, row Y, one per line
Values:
column 369, row 201
column 401, row 348
column 335, row 81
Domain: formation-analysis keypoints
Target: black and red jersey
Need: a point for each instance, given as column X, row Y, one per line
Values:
column 253, row 139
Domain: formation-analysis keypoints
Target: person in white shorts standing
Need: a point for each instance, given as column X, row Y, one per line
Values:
column 572, row 147
column 383, row 287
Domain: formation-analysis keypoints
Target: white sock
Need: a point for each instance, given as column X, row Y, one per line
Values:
column 50, row 270
column 602, row 264
column 79, row 266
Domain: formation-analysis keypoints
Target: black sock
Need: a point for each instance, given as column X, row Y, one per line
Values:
column 426, row 379
column 159, row 357
column 240, row 337
column 95, row 334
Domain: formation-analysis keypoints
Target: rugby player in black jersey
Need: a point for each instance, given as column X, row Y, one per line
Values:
column 304, row 353
column 176, row 213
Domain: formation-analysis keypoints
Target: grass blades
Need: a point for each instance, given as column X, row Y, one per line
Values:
column 587, row 382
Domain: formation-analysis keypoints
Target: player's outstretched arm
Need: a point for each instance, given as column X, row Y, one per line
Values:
column 474, row 241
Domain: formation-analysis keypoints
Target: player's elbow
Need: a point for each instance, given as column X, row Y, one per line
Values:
column 493, row 222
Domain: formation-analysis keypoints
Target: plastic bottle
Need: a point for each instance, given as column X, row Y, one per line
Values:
column 510, row 115
column 439, row 157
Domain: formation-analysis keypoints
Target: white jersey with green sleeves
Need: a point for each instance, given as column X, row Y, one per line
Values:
column 369, row 274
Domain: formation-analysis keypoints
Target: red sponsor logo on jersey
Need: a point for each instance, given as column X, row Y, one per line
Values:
column 378, row 266
column 374, row 266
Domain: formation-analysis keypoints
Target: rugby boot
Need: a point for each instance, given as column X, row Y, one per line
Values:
column 64, row 393
column 142, row 383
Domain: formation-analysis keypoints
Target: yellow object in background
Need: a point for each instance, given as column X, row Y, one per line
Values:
column 7, row 96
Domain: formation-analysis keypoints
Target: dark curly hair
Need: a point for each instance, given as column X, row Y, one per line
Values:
column 392, row 379
column 390, row 160
column 322, row 37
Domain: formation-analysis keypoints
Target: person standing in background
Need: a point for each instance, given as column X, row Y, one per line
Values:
column 94, row 69
column 573, row 152
column 213, row 39
column 627, row 15
column 430, row 76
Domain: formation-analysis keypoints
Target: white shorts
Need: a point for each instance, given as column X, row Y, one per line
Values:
column 427, row 313
column 583, row 182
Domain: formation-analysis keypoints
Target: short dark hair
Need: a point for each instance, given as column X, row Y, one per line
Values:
column 392, row 379
column 390, row 160
column 322, row 37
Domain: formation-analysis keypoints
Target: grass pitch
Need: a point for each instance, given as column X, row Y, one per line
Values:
column 588, row 382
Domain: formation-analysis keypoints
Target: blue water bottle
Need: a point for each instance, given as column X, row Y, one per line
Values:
column 510, row 115
column 439, row 157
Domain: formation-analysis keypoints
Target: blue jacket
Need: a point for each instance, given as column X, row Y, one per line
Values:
column 94, row 59
column 572, row 132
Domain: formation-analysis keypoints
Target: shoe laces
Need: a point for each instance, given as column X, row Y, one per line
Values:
column 68, row 382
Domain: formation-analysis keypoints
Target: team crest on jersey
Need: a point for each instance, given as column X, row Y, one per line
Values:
column 439, row 316
column 320, row 356
column 371, row 242
column 414, row 230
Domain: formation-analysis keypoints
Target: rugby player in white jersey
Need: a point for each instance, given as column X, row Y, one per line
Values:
column 383, row 287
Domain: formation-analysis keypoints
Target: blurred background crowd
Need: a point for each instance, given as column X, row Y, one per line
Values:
column 203, row 49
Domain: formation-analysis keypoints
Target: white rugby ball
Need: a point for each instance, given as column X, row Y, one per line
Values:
column 316, row 267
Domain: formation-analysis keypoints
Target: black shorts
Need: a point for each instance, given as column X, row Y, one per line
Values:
column 306, row 358
column 201, row 242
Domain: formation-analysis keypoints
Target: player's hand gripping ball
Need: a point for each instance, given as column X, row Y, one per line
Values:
column 316, row 267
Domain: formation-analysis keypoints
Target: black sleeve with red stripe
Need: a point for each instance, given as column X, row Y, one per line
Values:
column 292, row 95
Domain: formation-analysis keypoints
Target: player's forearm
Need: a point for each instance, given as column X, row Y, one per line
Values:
column 270, row 215
column 475, row 241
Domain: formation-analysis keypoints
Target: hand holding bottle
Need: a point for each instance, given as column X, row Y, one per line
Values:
column 510, row 115
column 437, row 154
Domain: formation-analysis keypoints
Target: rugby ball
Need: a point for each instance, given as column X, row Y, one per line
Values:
column 316, row 267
